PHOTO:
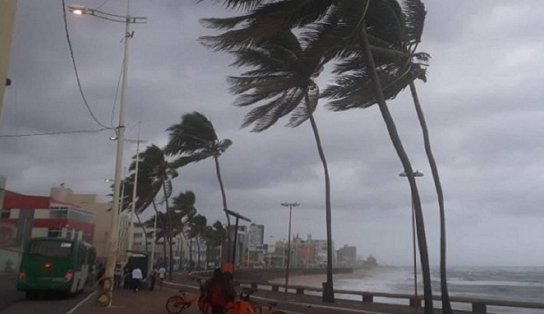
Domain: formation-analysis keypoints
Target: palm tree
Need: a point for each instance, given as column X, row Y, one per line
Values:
column 128, row 187
column 160, row 230
column 281, row 83
column 354, row 90
column 155, row 175
column 184, row 210
column 214, row 236
column 197, row 228
column 414, row 28
column 194, row 139
column 371, row 70
column 326, row 20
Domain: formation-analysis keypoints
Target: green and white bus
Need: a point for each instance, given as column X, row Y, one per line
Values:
column 56, row 265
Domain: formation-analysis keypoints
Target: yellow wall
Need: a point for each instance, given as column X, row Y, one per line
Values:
column 102, row 220
column 7, row 18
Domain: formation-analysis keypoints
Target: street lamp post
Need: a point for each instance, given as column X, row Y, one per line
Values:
column 134, row 189
column 416, row 174
column 106, row 296
column 290, row 205
column 238, row 217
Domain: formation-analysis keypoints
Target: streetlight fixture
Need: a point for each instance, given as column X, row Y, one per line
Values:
column 238, row 217
column 134, row 189
column 290, row 205
column 106, row 296
column 416, row 174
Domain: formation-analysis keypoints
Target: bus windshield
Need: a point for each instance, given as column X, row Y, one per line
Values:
column 50, row 248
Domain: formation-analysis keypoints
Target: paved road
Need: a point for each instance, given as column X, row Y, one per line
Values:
column 14, row 302
column 8, row 294
column 44, row 305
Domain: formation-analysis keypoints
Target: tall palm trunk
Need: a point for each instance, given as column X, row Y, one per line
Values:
column 191, row 254
column 446, row 306
column 163, row 232
column 393, row 134
column 143, row 229
column 198, row 261
column 169, row 217
column 224, row 198
column 328, row 290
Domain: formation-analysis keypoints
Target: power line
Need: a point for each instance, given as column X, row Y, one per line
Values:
column 54, row 133
column 75, row 68
column 116, row 94
column 98, row 7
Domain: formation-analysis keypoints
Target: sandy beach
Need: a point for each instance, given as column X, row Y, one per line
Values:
column 316, row 280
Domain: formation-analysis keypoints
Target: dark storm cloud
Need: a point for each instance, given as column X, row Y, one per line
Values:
column 482, row 102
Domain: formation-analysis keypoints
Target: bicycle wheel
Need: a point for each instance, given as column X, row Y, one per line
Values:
column 176, row 304
column 256, row 307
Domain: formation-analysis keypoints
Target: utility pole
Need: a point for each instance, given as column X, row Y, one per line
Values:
column 290, row 205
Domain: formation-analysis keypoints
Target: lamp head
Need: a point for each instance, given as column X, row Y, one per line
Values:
column 416, row 173
column 290, row 204
column 79, row 9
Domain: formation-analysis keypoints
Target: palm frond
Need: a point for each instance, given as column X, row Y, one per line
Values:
column 414, row 12
column 266, row 115
column 194, row 157
column 264, row 23
column 302, row 112
column 240, row 4
column 226, row 23
column 194, row 134
column 355, row 89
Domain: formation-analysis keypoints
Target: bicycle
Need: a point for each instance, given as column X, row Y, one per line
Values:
column 246, row 306
column 179, row 302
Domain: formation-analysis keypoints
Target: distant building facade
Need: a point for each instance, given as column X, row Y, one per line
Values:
column 255, row 237
column 31, row 216
column 346, row 256
column 102, row 213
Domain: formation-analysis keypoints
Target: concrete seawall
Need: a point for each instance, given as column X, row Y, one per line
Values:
column 268, row 274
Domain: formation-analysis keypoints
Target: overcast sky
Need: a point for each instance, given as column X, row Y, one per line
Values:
column 483, row 104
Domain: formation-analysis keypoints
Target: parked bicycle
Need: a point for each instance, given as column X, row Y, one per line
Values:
column 179, row 302
column 244, row 305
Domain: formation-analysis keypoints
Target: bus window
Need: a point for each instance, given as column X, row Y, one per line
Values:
column 91, row 257
column 50, row 248
column 82, row 253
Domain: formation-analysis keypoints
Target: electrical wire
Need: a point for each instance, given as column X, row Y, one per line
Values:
column 116, row 93
column 54, row 133
column 98, row 7
column 75, row 68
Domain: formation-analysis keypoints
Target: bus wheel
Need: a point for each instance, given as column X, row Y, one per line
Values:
column 31, row 294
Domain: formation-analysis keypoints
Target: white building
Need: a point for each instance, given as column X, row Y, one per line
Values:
column 255, row 237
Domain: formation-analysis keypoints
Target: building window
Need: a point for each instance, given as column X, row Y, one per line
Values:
column 58, row 213
column 54, row 232
column 5, row 213
column 80, row 216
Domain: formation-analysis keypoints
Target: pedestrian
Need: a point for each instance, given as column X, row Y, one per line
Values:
column 117, row 274
column 127, row 277
column 101, row 270
column 162, row 275
column 152, row 279
column 137, row 278
column 219, row 291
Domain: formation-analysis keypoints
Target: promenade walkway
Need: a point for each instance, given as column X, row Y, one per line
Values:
column 145, row 301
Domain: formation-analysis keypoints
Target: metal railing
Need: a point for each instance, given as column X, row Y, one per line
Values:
column 478, row 305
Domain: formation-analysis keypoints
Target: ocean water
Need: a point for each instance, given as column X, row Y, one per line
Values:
column 497, row 283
